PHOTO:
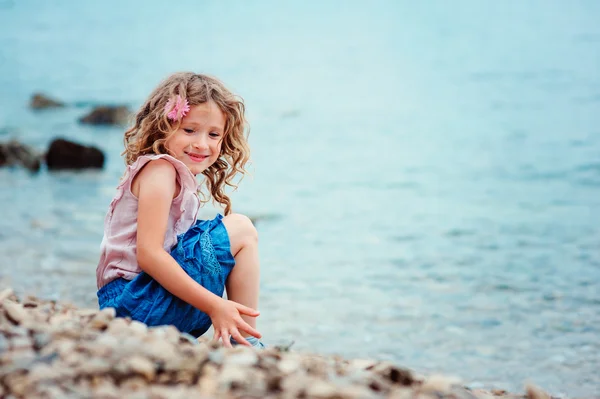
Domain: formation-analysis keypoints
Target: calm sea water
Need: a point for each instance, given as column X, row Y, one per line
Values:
column 427, row 176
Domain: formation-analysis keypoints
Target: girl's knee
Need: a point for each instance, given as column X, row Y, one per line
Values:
column 241, row 230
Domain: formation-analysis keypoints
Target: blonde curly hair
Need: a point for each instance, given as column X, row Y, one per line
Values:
column 152, row 129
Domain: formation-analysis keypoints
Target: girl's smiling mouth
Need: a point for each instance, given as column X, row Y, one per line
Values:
column 196, row 157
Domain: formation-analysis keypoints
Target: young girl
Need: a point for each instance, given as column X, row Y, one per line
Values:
column 158, row 264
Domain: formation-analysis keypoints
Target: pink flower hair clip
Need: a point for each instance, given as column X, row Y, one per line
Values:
column 176, row 109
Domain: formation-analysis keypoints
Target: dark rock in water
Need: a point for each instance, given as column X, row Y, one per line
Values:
column 14, row 153
column 64, row 154
column 40, row 101
column 107, row 115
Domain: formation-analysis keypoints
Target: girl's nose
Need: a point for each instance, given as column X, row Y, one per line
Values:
column 201, row 143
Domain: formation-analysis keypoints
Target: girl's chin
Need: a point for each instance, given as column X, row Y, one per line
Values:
column 196, row 170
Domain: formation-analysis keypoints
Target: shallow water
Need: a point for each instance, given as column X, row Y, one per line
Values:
column 428, row 176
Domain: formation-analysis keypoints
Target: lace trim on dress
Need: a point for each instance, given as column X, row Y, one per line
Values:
column 209, row 258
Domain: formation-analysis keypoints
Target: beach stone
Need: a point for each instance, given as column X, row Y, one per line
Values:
column 65, row 154
column 439, row 383
column 357, row 392
column 459, row 393
column 139, row 365
column 294, row 386
column 241, row 356
column 60, row 320
column 187, row 338
column 31, row 302
column 172, row 392
column 6, row 293
column 208, row 383
column 4, row 343
column 232, row 377
column 20, row 343
column 183, row 377
column 104, row 388
column 16, row 383
column 86, row 312
column 288, row 366
column 117, row 327
column 42, row 101
column 133, row 384
column 41, row 339
column 217, row 357
column 15, row 312
column 14, row 153
column 39, row 321
column 159, row 350
column 168, row 333
column 95, row 366
column 378, row 384
column 314, row 365
column 138, row 328
column 43, row 372
column 403, row 393
column 321, row 389
column 483, row 394
column 362, row 364
column 535, row 392
column 62, row 347
column 107, row 115
column 393, row 373
column 103, row 317
column 18, row 359
column 52, row 392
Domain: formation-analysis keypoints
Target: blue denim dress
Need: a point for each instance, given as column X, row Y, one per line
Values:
column 204, row 253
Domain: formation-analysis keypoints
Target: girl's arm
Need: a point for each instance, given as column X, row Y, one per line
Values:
column 155, row 187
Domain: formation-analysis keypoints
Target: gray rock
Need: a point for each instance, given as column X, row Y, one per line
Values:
column 41, row 101
column 107, row 115
column 13, row 153
column 64, row 154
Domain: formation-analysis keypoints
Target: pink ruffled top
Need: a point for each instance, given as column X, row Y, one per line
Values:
column 118, row 249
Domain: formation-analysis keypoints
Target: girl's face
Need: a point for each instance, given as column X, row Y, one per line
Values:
column 197, row 142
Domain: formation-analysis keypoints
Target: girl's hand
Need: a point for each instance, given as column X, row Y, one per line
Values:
column 227, row 320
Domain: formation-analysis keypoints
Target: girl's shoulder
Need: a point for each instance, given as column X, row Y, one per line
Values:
column 185, row 176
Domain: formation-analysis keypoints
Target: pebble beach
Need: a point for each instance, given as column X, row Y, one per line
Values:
column 50, row 349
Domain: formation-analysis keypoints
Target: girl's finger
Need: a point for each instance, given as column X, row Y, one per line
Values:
column 239, row 338
column 225, row 338
column 246, row 310
column 216, row 336
column 245, row 327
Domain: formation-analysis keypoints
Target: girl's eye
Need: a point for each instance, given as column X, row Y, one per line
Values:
column 213, row 134
column 189, row 131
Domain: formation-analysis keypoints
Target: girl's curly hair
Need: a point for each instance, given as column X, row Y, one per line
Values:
column 152, row 128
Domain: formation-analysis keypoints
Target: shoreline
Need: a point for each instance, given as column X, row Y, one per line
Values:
column 55, row 350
